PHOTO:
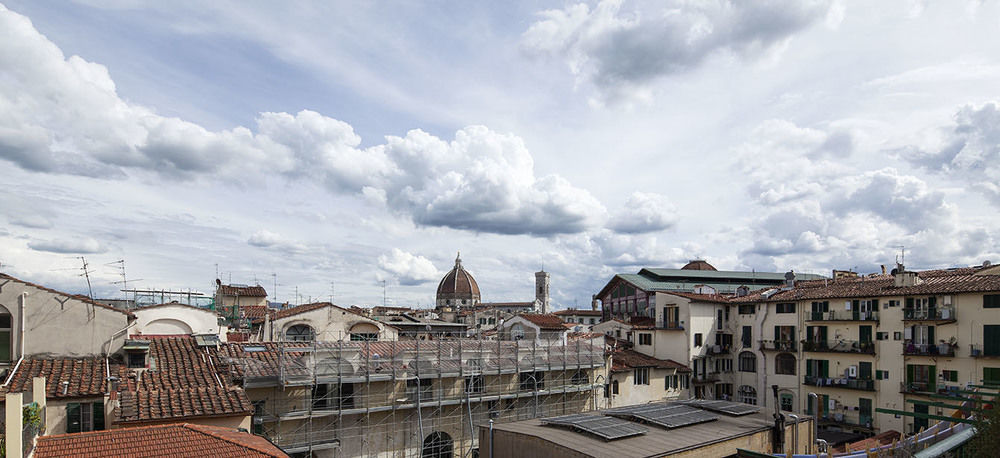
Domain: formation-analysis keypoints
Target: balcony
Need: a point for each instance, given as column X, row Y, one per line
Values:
column 978, row 351
column 843, row 315
column 710, row 377
column 714, row 350
column 936, row 314
column 848, row 383
column 942, row 349
column 777, row 345
column 669, row 326
column 847, row 419
column 840, row 346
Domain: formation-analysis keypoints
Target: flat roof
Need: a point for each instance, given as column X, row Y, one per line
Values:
column 657, row 441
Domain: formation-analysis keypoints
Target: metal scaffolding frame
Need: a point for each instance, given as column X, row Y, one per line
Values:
column 410, row 397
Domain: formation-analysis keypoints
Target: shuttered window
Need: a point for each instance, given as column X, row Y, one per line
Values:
column 991, row 301
column 991, row 339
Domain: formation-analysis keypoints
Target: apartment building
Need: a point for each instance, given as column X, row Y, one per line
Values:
column 873, row 347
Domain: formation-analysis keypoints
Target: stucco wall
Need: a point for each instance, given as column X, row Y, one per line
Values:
column 175, row 319
column 330, row 324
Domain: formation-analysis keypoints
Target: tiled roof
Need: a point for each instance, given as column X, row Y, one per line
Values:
column 625, row 360
column 578, row 312
column 181, row 382
column 944, row 281
column 506, row 304
column 716, row 298
column 244, row 291
column 641, row 322
column 176, row 440
column 86, row 377
column 74, row 296
column 256, row 313
column 544, row 321
column 291, row 311
column 182, row 403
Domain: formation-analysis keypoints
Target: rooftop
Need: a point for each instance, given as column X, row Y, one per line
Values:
column 241, row 290
column 544, row 321
column 178, row 440
column 626, row 360
column 578, row 312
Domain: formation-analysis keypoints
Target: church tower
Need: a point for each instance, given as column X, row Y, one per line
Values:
column 542, row 290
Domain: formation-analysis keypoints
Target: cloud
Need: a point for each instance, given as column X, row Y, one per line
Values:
column 969, row 150
column 63, row 115
column 273, row 241
column 31, row 221
column 407, row 268
column 644, row 212
column 77, row 245
column 621, row 52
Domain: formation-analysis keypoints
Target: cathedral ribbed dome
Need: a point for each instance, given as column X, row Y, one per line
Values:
column 458, row 284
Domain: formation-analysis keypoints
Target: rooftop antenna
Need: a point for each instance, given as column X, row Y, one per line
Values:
column 332, row 292
column 124, row 281
column 86, row 273
column 383, row 293
column 274, row 292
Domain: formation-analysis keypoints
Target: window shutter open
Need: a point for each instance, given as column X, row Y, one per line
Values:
column 98, row 410
column 932, row 378
column 73, row 417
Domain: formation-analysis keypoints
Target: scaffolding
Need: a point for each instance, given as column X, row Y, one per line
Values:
column 407, row 398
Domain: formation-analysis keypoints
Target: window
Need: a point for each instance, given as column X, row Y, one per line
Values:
column 881, row 375
column 991, row 339
column 949, row 376
column 5, row 331
column 516, row 331
column 300, row 333
column 671, row 317
column 784, row 364
column 784, row 338
column 718, row 320
column 475, row 384
column 787, row 402
column 991, row 301
column 747, row 336
column 786, row 307
column 84, row 416
column 671, row 382
column 645, row 339
column 334, row 396
column 746, row 309
column 531, row 380
column 614, row 387
column 881, row 335
column 640, row 376
column 697, row 339
column 258, row 417
column 724, row 391
column 685, row 379
column 136, row 359
column 591, row 321
column 580, row 378
column 724, row 366
column 748, row 362
column 364, row 336
column 921, row 378
column 423, row 387
column 748, row 395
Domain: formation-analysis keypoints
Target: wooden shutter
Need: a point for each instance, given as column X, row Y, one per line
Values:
column 824, row 369
column 991, row 340
column 856, row 309
column 930, row 336
column 809, row 368
column 909, row 302
column 909, row 373
column 931, row 301
column 932, row 378
column 865, row 370
column 865, row 332
column 777, row 333
column 98, row 410
column 73, row 417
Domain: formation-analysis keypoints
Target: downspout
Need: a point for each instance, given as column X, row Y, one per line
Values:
column 813, row 401
column 21, row 299
column 794, row 449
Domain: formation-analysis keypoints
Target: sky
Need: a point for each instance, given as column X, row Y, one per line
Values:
column 349, row 150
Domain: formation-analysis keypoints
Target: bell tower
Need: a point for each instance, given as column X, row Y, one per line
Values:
column 542, row 290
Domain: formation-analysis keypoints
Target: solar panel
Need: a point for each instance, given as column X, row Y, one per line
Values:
column 726, row 407
column 666, row 415
column 607, row 428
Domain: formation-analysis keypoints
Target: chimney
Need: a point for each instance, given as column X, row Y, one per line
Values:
column 904, row 277
column 883, row 269
column 593, row 302
column 790, row 279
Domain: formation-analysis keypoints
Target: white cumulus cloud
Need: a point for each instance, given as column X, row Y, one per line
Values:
column 407, row 268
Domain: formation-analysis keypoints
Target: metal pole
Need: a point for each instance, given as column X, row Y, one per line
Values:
column 491, row 438
column 814, row 401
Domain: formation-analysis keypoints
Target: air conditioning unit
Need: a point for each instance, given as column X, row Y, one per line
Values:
column 852, row 371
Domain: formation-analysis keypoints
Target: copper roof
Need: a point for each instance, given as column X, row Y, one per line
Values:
column 176, row 440
column 458, row 283
column 626, row 360
column 698, row 264
column 545, row 321
column 244, row 291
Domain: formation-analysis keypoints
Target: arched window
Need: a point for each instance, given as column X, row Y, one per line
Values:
column 784, row 364
column 516, row 331
column 748, row 362
column 437, row 445
column 5, row 333
column 748, row 395
column 300, row 333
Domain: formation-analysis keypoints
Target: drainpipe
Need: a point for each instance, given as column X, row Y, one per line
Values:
column 21, row 300
column 814, row 401
column 491, row 438
column 795, row 434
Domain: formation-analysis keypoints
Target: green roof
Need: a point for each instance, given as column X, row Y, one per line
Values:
column 724, row 282
column 726, row 274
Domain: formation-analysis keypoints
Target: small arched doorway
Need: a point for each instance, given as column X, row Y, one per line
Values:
column 437, row 445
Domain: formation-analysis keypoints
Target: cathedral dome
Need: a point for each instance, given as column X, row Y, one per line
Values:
column 698, row 264
column 458, row 287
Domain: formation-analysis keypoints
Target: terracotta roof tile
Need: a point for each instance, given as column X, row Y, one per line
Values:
column 244, row 291
column 943, row 281
column 626, row 360
column 177, row 440
column 173, row 404
column 86, row 377
column 544, row 321
column 578, row 312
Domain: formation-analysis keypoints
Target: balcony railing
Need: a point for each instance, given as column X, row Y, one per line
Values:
column 848, row 383
column 978, row 351
column 777, row 345
column 843, row 315
column 946, row 313
column 839, row 346
column 943, row 349
column 669, row 326
column 705, row 378
column 849, row 419
column 718, row 350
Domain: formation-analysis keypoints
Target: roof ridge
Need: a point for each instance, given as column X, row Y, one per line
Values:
column 78, row 297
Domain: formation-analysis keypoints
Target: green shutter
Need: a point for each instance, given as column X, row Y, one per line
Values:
column 856, row 309
column 809, row 368
column 866, row 334
column 932, row 378
column 991, row 375
column 909, row 302
column 73, row 417
column 874, row 305
column 865, row 370
column 930, row 335
column 5, row 346
column 931, row 301
column 991, row 339
column 809, row 333
column 98, row 410
column 824, row 369
column 777, row 333
column 909, row 373
column 822, row 334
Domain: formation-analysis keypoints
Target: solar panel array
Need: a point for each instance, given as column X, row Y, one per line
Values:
column 607, row 428
column 726, row 407
column 668, row 415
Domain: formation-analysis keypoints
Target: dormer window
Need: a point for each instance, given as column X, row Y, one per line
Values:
column 136, row 352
